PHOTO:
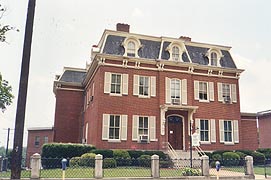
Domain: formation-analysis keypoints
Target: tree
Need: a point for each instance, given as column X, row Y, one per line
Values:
column 4, row 28
column 5, row 94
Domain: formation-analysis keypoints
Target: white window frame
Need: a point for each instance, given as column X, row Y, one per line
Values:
column 137, row 44
column 145, row 85
column 219, row 55
column 171, row 49
column 174, row 90
column 151, row 85
column 151, row 128
column 175, row 53
column 108, row 83
column 122, row 129
column 234, row 132
column 37, row 141
column 201, row 130
column 114, row 127
column 116, row 83
column 183, row 91
column 211, row 130
column 202, row 91
column 209, row 91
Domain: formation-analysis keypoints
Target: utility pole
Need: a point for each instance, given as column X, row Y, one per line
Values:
column 21, row 103
column 7, row 142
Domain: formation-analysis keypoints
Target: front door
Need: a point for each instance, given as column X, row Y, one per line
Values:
column 175, row 131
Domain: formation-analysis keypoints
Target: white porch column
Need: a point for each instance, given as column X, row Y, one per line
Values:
column 163, row 111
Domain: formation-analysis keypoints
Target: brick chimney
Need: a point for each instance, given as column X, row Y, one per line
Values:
column 185, row 38
column 123, row 27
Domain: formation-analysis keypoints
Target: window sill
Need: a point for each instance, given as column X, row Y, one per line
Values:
column 204, row 101
column 229, row 143
column 144, row 97
column 114, row 140
column 113, row 94
column 205, row 142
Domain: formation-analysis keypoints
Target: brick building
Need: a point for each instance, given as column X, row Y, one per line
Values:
column 36, row 138
column 143, row 92
column 264, row 122
column 249, row 131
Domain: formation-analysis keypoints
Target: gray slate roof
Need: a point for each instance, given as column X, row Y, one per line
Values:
column 73, row 76
column 150, row 50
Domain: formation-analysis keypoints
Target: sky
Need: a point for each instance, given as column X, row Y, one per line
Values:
column 65, row 30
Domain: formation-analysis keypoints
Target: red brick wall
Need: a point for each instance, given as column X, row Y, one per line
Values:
column 31, row 148
column 249, row 133
column 132, row 105
column 68, row 119
column 265, row 130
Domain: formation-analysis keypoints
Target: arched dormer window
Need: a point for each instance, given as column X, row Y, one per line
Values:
column 175, row 50
column 175, row 53
column 131, row 46
column 131, row 51
column 214, row 56
column 213, row 59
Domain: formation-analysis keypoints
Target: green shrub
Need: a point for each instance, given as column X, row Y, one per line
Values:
column 190, row 172
column 75, row 162
column 107, row 153
column 88, row 159
column 258, row 158
column 246, row 152
column 109, row 163
column 161, row 154
column 145, row 160
column 266, row 152
column 62, row 150
column 214, row 158
column 135, row 154
column 220, row 152
column 230, row 159
column 166, row 163
column 122, row 157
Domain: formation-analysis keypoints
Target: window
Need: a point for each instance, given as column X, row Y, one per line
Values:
column 45, row 139
column 228, row 131
column 203, row 93
column 214, row 59
column 143, row 128
column 144, row 86
column 37, row 141
column 175, row 91
column 131, row 49
column 204, row 130
column 175, row 53
column 131, row 46
column 115, row 83
column 226, row 92
column 114, row 127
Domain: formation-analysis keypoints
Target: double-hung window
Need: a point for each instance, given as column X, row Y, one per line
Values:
column 228, row 131
column 114, row 127
column 131, row 48
column 227, row 93
column 37, row 141
column 45, row 140
column 115, row 83
column 143, row 126
column 203, row 91
column 144, row 85
column 214, row 59
column 204, row 130
column 175, row 91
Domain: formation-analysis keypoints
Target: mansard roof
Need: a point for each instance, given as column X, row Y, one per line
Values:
column 153, row 48
column 73, row 76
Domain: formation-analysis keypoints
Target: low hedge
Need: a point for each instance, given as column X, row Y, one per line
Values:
column 258, row 158
column 230, row 159
column 145, row 160
column 266, row 152
column 109, row 163
column 107, row 153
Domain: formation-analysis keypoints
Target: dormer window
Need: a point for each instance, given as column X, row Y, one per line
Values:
column 213, row 59
column 175, row 53
column 214, row 56
column 175, row 50
column 131, row 46
column 131, row 51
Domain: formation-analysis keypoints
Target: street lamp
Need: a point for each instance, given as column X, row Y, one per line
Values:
column 191, row 124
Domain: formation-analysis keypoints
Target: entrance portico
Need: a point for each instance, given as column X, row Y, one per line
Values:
column 175, row 125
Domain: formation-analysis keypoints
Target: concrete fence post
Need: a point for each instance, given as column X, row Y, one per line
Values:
column 155, row 166
column 249, row 166
column 98, row 166
column 35, row 166
column 205, row 165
